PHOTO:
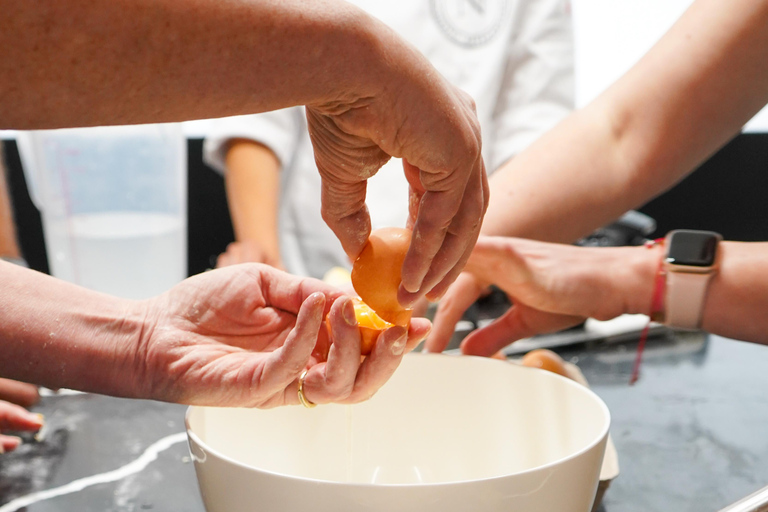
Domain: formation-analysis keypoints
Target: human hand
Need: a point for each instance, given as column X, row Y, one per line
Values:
column 19, row 393
column 460, row 296
column 247, row 251
column 551, row 286
column 242, row 336
column 417, row 115
column 15, row 418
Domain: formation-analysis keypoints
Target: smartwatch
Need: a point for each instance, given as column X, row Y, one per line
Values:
column 689, row 264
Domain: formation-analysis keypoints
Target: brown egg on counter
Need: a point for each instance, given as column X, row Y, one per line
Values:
column 546, row 360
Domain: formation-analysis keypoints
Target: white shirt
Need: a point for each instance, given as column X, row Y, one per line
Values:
column 514, row 57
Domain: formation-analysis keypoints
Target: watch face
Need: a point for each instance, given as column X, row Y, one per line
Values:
column 692, row 248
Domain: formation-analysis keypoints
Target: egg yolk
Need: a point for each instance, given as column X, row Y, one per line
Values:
column 369, row 324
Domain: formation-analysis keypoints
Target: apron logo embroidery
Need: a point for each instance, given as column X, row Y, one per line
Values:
column 470, row 23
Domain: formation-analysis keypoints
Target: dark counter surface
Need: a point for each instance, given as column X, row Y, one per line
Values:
column 692, row 435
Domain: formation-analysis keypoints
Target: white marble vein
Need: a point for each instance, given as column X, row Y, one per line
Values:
column 149, row 455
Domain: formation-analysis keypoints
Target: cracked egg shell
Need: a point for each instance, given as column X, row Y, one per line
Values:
column 376, row 273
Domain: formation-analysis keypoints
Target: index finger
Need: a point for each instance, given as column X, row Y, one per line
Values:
column 15, row 417
column 447, row 225
column 459, row 297
column 288, row 292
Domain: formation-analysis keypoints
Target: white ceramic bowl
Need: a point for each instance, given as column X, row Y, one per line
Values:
column 446, row 434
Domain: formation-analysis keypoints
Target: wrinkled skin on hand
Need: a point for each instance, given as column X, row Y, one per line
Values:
column 242, row 336
column 433, row 127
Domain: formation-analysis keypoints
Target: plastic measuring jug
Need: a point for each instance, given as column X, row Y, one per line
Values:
column 113, row 202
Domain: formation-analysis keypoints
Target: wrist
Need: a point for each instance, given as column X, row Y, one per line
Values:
column 644, row 294
column 108, row 353
column 691, row 260
column 364, row 40
column 99, row 340
column 60, row 335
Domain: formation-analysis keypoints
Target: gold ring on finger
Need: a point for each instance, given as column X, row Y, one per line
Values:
column 306, row 402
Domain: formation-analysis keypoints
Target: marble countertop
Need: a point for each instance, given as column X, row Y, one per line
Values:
column 691, row 436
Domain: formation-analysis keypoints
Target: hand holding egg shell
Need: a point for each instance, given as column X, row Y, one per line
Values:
column 376, row 278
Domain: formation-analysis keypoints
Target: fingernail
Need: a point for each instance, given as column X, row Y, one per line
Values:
column 317, row 298
column 38, row 418
column 398, row 346
column 406, row 298
column 348, row 312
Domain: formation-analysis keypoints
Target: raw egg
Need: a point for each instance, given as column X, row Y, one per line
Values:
column 376, row 273
column 369, row 324
column 546, row 360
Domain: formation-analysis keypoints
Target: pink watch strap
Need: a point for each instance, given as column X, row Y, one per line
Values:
column 686, row 293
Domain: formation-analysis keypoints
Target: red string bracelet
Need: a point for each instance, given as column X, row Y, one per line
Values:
column 656, row 309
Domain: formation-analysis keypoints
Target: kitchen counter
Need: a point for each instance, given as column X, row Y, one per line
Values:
column 691, row 436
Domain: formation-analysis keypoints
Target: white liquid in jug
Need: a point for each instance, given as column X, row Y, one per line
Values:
column 134, row 255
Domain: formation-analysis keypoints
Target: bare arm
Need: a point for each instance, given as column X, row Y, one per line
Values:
column 369, row 96
column 70, row 336
column 253, row 191
column 238, row 336
column 690, row 94
column 83, row 63
column 555, row 286
column 8, row 245
column 687, row 97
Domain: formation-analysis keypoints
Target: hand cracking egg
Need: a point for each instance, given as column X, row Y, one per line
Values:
column 376, row 279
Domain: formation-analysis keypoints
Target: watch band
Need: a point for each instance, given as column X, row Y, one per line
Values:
column 686, row 293
column 690, row 262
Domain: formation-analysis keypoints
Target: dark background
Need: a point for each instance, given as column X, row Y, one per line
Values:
column 726, row 194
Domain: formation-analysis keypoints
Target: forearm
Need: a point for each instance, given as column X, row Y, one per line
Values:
column 8, row 244
column 57, row 334
column 561, row 187
column 171, row 60
column 737, row 297
column 253, row 191
column 738, row 294
column 688, row 96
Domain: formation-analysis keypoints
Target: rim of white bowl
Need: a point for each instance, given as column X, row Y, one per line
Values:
column 603, row 434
